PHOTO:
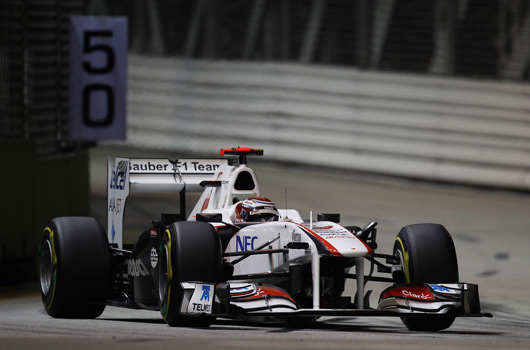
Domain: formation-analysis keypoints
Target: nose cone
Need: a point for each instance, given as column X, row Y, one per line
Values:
column 339, row 241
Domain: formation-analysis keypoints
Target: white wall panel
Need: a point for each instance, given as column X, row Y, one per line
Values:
column 442, row 129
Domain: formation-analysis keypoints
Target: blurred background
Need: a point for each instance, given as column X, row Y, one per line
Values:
column 436, row 91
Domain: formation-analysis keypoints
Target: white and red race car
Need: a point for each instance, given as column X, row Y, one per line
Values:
column 238, row 256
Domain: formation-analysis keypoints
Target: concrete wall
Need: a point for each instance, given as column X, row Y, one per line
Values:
column 434, row 128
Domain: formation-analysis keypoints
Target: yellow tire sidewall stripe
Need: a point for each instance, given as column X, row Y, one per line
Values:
column 169, row 274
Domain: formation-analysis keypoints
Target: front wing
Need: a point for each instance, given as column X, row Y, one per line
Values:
column 252, row 300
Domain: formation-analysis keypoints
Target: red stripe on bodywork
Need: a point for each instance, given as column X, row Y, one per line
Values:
column 207, row 201
column 370, row 251
column 271, row 292
column 328, row 245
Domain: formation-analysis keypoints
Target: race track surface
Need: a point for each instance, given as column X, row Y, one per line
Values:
column 24, row 324
column 490, row 230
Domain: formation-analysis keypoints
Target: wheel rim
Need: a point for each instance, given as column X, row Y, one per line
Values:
column 402, row 278
column 163, row 280
column 46, row 267
column 400, row 257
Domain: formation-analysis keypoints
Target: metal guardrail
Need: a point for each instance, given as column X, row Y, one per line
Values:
column 440, row 129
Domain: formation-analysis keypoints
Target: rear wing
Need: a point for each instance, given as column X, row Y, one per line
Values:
column 130, row 175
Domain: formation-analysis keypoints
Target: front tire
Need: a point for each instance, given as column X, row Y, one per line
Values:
column 427, row 254
column 74, row 267
column 189, row 251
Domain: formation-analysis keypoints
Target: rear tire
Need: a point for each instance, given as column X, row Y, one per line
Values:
column 428, row 255
column 189, row 251
column 74, row 267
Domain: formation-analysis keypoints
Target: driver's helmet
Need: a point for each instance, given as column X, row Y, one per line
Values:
column 256, row 209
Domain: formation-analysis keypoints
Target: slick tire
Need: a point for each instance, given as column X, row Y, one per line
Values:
column 428, row 255
column 189, row 251
column 74, row 267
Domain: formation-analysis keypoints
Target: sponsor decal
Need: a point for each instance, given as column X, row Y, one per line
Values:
column 410, row 292
column 198, row 307
column 137, row 268
column 154, row 257
column 245, row 243
column 164, row 166
column 334, row 236
column 332, row 232
column 202, row 299
column 115, row 205
column 202, row 167
column 441, row 289
column 119, row 176
column 422, row 296
column 438, row 288
column 205, row 293
column 241, row 291
column 149, row 166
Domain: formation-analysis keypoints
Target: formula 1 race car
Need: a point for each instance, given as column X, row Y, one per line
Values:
column 238, row 256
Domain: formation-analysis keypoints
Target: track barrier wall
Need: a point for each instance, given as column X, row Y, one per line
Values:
column 434, row 128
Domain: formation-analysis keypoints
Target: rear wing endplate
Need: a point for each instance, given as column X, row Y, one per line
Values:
column 128, row 175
